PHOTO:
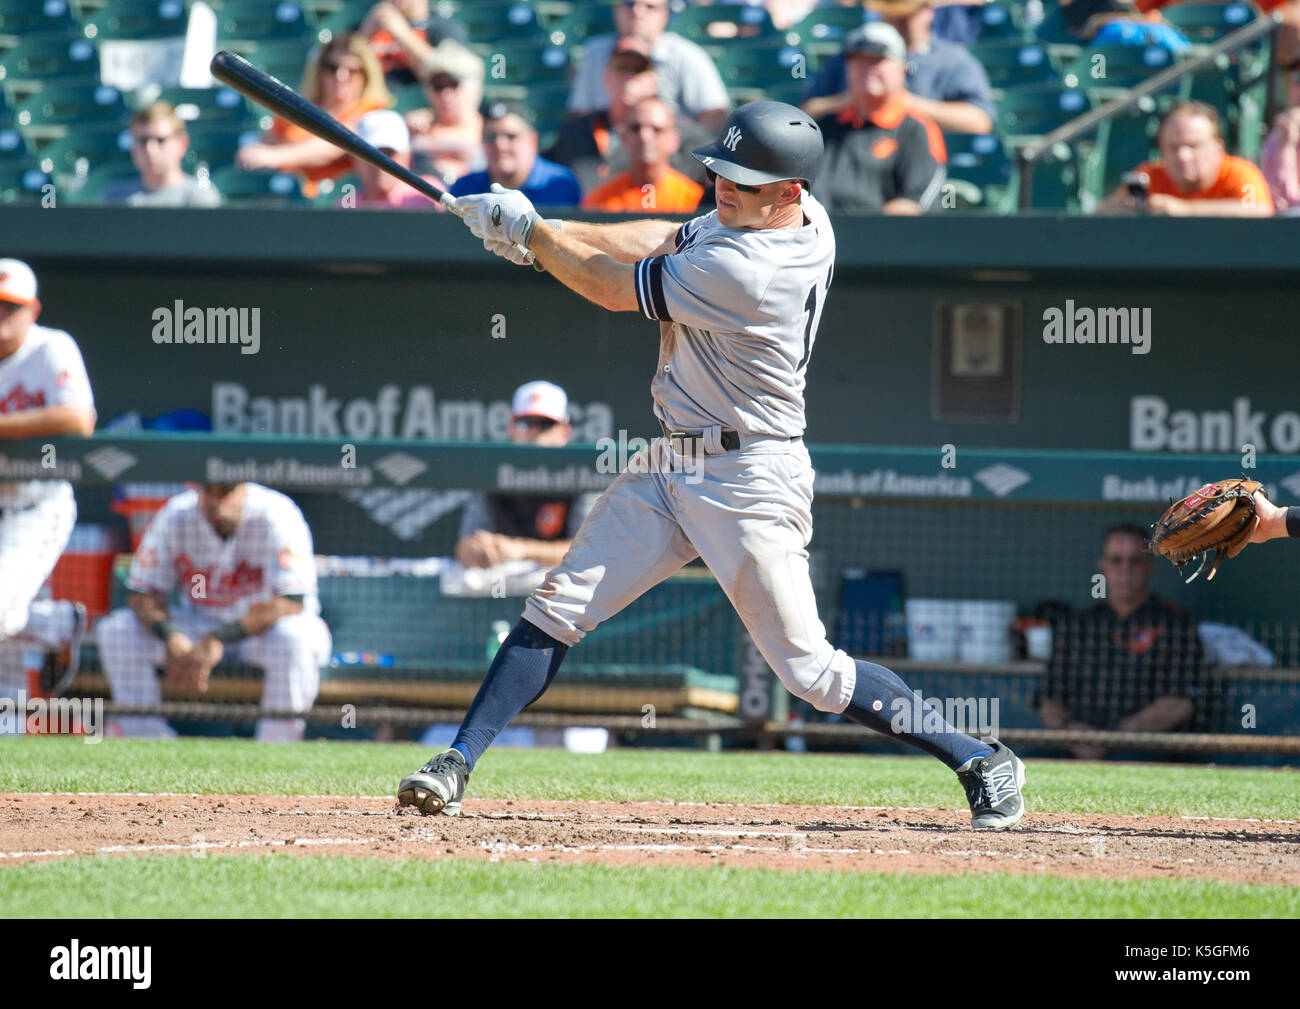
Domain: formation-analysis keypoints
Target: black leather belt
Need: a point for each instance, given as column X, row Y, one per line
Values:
column 693, row 441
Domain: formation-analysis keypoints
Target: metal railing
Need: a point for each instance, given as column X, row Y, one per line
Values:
column 1028, row 156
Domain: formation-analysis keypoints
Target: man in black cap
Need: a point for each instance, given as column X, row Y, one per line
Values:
column 737, row 294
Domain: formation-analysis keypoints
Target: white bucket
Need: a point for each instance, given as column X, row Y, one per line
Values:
column 932, row 629
column 983, row 630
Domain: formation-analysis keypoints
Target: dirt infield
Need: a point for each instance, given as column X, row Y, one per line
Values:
column 864, row 839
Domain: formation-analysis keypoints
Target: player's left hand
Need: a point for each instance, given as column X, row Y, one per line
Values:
column 504, row 214
column 517, row 254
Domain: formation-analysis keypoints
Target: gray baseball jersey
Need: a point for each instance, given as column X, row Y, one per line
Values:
column 738, row 311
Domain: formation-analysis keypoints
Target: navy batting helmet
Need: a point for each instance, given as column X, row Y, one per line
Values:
column 764, row 142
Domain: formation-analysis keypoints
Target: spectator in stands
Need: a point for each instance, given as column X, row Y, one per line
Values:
column 158, row 145
column 1195, row 176
column 650, row 182
column 687, row 77
column 591, row 145
column 944, row 81
column 1280, row 159
column 345, row 80
column 239, row 559
column 447, row 137
column 405, row 36
column 881, row 154
column 386, row 130
column 1121, row 22
column 510, row 142
column 499, row 528
column 1131, row 663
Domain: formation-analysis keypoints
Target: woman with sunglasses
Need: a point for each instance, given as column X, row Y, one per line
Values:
column 344, row 79
column 447, row 137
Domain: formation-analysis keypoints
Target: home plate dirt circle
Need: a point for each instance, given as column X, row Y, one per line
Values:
column 43, row 826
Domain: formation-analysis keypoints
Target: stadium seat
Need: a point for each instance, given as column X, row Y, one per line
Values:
column 585, row 21
column 754, row 70
column 981, row 161
column 21, row 183
column 136, row 19
column 489, row 23
column 344, row 19
column 1001, row 21
column 1039, row 109
column 1206, row 23
column 20, row 18
column 513, row 61
column 214, row 144
column 285, row 59
column 86, row 189
column 51, row 112
column 240, row 22
column 718, row 22
column 238, row 186
column 822, row 31
column 207, row 104
column 29, row 65
column 86, row 149
column 13, row 149
column 1130, row 140
column 1116, row 68
column 1014, row 63
column 410, row 97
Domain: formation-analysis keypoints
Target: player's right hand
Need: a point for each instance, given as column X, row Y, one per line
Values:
column 508, row 250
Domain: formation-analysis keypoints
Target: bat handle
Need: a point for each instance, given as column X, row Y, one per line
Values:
column 449, row 201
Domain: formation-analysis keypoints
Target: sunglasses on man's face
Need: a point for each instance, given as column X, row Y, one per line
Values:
column 739, row 188
column 538, row 424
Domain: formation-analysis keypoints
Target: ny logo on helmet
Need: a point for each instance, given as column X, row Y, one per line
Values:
column 732, row 138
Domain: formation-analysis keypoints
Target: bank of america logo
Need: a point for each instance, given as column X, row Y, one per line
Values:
column 110, row 462
column 1292, row 483
column 1001, row 479
column 400, row 468
column 407, row 513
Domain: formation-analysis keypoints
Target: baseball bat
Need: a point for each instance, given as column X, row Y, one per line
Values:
column 236, row 72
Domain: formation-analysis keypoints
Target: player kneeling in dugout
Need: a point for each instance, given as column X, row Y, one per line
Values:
column 239, row 559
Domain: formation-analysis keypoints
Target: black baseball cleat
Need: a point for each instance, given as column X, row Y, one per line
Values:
column 438, row 786
column 993, row 786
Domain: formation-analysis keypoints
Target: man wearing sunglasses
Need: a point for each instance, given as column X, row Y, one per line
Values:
column 158, row 145
column 1133, row 662
column 498, row 528
column 737, row 294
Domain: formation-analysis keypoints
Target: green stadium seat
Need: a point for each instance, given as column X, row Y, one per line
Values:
column 1130, row 140
column 28, row 66
column 215, row 144
column 136, row 19
column 86, row 149
column 284, row 59
column 343, row 19
column 410, row 97
column 489, row 23
column 21, row 184
column 20, row 18
column 1014, row 63
column 583, row 22
column 238, row 186
column 981, row 161
column 1038, row 109
column 86, row 190
column 240, row 22
column 1116, row 68
column 514, row 61
column 1001, row 21
column 1206, row 23
column 750, row 72
column 13, row 149
column 717, row 22
column 53, row 111
column 822, row 32
column 207, row 104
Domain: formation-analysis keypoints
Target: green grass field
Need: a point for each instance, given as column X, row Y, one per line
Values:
column 226, row 886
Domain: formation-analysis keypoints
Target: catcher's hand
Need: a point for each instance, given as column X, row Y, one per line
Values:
column 1221, row 517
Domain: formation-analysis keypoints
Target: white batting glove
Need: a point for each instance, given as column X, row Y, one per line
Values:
column 502, row 213
column 517, row 254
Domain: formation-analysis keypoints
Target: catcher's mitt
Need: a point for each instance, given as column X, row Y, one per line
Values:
column 1220, row 517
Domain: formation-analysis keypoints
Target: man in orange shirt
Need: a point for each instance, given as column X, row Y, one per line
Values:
column 1195, row 176
column 650, row 183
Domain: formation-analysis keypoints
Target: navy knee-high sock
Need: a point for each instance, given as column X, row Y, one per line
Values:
column 524, row 666
column 882, row 701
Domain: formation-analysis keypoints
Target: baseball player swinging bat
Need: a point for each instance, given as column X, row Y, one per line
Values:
column 236, row 72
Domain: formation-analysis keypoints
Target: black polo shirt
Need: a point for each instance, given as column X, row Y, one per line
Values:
column 895, row 153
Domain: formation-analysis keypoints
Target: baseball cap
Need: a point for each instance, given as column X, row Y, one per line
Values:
column 631, row 54
column 385, row 129
column 500, row 108
column 876, row 39
column 453, row 59
column 17, row 282
column 541, row 399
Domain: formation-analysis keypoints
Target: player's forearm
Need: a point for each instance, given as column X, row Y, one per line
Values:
column 47, row 422
column 625, row 241
column 545, row 552
column 1220, row 208
column 262, row 616
column 1160, row 715
column 585, row 270
column 903, row 207
column 148, row 609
